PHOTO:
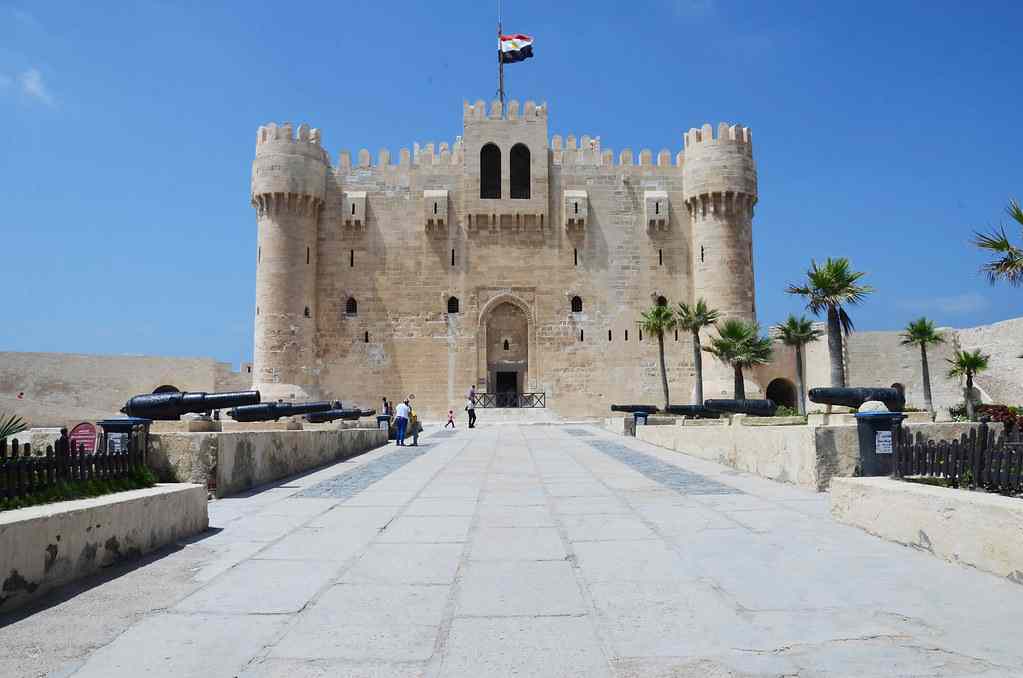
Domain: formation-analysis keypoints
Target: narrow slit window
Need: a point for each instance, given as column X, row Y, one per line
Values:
column 575, row 256
column 365, row 338
column 351, row 306
column 434, row 208
column 701, row 254
column 576, row 207
column 353, row 208
column 351, row 258
column 657, row 207
column 307, row 256
column 660, row 257
column 626, row 335
column 507, row 346
column 609, row 335
column 452, row 257
column 641, row 335
column 676, row 335
column 259, row 254
column 580, row 335
column 257, row 310
column 306, row 313
column 577, row 305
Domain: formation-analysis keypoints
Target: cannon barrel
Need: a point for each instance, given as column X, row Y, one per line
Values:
column 690, row 411
column 649, row 409
column 339, row 413
column 274, row 411
column 893, row 398
column 170, row 406
column 756, row 408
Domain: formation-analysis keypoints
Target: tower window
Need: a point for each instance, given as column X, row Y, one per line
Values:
column 452, row 304
column 434, row 208
column 351, row 306
column 657, row 208
column 577, row 305
column 307, row 256
column 353, row 208
column 506, row 345
column 626, row 335
column 641, row 335
column 575, row 206
column 609, row 335
column 490, row 172
column 306, row 313
column 580, row 335
column 518, row 160
column 575, row 256
column 676, row 335
column 365, row 338
column 660, row 257
column 351, row 258
column 452, row 257
column 701, row 254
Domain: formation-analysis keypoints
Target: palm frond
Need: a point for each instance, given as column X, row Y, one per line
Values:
column 11, row 425
column 921, row 332
column 967, row 363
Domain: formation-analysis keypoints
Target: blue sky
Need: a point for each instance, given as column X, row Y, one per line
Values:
column 885, row 132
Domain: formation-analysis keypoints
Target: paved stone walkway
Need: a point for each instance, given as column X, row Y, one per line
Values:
column 532, row 551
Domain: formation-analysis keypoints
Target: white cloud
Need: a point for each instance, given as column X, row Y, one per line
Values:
column 32, row 86
column 956, row 304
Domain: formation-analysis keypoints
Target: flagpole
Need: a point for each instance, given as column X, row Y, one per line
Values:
column 500, row 58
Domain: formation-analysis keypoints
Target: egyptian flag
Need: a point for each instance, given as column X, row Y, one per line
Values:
column 516, row 47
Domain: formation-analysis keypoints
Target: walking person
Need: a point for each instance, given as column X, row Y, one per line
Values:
column 470, row 405
column 401, row 416
column 451, row 419
column 414, row 426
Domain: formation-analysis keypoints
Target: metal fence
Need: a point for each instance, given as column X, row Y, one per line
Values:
column 491, row 400
column 980, row 459
column 22, row 473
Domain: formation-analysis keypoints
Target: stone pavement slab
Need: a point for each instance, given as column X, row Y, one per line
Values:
column 535, row 551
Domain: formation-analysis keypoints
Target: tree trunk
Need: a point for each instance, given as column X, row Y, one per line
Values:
column 698, row 368
column 969, row 398
column 835, row 347
column 740, row 387
column 799, row 381
column 664, row 370
column 927, row 378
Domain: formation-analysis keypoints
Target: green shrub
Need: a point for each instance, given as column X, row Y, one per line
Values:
column 139, row 478
column 784, row 411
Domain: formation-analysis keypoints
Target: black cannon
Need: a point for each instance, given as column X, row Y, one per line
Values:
column 755, row 408
column 170, row 406
column 690, row 411
column 647, row 409
column 345, row 414
column 274, row 411
column 893, row 398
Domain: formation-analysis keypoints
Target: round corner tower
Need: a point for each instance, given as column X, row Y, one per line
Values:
column 289, row 178
column 720, row 190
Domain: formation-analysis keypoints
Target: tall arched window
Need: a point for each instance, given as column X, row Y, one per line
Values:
column 490, row 171
column 577, row 305
column 518, row 159
column 452, row 304
column 351, row 306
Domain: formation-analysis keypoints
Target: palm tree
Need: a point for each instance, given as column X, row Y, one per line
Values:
column 658, row 320
column 828, row 287
column 740, row 345
column 967, row 364
column 1009, row 264
column 797, row 333
column 922, row 333
column 693, row 319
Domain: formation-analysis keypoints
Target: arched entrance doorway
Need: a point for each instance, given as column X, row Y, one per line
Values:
column 782, row 392
column 507, row 352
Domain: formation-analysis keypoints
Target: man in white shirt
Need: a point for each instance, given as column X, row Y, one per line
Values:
column 401, row 417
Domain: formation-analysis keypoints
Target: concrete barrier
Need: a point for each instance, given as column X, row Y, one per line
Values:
column 42, row 547
column 805, row 455
column 973, row 528
column 231, row 462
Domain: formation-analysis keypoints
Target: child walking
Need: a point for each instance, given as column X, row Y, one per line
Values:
column 451, row 419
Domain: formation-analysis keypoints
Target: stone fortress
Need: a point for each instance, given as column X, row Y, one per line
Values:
column 508, row 259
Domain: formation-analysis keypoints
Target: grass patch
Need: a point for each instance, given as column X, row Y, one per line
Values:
column 138, row 479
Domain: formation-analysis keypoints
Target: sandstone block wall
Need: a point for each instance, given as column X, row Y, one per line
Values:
column 233, row 462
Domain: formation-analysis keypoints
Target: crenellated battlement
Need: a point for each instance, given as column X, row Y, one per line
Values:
column 285, row 132
column 430, row 154
column 511, row 111
column 588, row 153
column 726, row 134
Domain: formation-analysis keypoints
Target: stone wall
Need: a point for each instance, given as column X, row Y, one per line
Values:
column 973, row 528
column 42, row 547
column 232, row 462
column 66, row 388
column 805, row 455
